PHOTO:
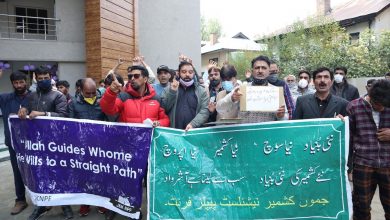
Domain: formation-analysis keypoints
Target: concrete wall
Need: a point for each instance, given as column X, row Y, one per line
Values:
column 360, row 27
column 71, row 72
column 67, row 50
column 222, row 56
column 382, row 21
column 360, row 83
column 167, row 28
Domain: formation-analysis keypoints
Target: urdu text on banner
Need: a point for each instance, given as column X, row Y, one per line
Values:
column 277, row 170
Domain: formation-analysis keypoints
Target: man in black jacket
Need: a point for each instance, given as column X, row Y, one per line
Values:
column 87, row 104
column 321, row 104
column 45, row 102
column 341, row 87
column 10, row 104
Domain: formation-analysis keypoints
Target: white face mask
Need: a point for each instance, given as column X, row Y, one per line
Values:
column 303, row 83
column 338, row 78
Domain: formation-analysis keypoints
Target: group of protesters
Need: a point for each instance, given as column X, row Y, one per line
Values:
column 181, row 99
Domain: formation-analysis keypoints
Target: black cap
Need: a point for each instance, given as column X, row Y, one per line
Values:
column 163, row 67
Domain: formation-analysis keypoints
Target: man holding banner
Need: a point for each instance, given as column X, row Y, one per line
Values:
column 45, row 102
column 10, row 104
column 186, row 101
column 137, row 103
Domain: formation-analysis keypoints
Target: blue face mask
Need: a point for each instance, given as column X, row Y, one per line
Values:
column 44, row 85
column 228, row 86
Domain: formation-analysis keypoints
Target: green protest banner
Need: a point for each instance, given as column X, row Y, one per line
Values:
column 278, row 170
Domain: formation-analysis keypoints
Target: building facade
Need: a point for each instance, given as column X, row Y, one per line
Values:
column 79, row 38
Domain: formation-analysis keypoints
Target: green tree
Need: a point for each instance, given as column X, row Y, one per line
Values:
column 321, row 42
column 210, row 26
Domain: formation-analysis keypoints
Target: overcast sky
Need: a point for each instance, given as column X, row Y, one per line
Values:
column 258, row 17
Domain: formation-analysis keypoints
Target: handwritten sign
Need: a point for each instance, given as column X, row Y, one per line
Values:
column 261, row 98
column 281, row 170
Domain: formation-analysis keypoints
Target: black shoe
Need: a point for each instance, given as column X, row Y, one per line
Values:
column 110, row 215
column 38, row 212
column 68, row 213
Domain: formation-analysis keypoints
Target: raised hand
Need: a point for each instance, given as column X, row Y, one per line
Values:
column 212, row 64
column 248, row 74
column 236, row 94
column 113, row 70
column 137, row 61
column 174, row 84
column 183, row 58
column 115, row 85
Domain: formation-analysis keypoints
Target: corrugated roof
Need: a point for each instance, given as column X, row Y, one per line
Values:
column 347, row 11
column 233, row 44
column 358, row 8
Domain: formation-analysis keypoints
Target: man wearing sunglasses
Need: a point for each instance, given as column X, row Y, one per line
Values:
column 137, row 103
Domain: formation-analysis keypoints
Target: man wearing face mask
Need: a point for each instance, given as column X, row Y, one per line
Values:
column 186, row 101
column 341, row 87
column 273, row 79
column 10, row 104
column 227, row 100
column 45, row 102
column 303, row 87
column 87, row 104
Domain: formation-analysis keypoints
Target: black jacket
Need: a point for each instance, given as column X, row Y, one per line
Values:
column 307, row 107
column 349, row 92
column 80, row 109
column 51, row 101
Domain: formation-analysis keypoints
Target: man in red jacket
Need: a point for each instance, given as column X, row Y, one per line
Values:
column 137, row 103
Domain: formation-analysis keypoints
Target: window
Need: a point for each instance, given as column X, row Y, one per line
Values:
column 354, row 38
column 33, row 23
column 214, row 59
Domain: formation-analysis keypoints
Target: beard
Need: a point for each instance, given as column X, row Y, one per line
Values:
column 20, row 91
column 187, row 79
column 135, row 86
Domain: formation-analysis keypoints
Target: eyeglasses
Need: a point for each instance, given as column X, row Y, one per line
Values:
column 136, row 76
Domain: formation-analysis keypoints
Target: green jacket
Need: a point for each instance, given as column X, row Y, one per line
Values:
column 169, row 101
